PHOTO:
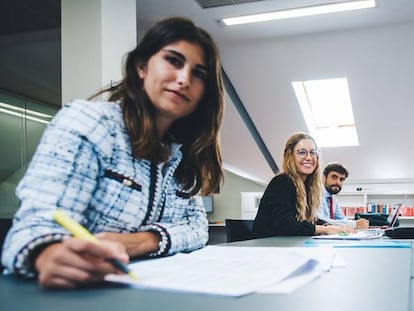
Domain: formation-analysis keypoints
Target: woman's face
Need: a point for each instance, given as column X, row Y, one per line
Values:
column 306, row 157
column 174, row 79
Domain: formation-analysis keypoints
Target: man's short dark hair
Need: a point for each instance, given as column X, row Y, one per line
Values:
column 335, row 167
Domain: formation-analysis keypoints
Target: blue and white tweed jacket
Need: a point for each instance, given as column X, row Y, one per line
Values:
column 84, row 166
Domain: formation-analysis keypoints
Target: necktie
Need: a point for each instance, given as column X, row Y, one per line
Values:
column 331, row 209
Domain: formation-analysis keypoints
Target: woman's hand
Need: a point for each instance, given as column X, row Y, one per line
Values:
column 362, row 223
column 330, row 229
column 74, row 262
column 339, row 229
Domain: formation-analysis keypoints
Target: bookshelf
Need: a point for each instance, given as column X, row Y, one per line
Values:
column 356, row 197
column 378, row 198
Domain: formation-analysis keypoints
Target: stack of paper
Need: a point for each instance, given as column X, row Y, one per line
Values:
column 232, row 271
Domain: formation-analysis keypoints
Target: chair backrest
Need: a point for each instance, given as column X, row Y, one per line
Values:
column 238, row 229
column 5, row 225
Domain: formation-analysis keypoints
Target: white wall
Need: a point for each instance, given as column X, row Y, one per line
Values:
column 96, row 34
column 81, row 48
column 379, row 65
column 227, row 204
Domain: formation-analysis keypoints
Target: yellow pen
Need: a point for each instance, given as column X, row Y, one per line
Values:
column 81, row 232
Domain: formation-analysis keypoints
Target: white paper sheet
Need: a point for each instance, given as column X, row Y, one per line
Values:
column 232, row 271
column 294, row 282
column 363, row 234
column 325, row 259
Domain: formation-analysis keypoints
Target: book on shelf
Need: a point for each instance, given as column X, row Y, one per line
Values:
column 350, row 211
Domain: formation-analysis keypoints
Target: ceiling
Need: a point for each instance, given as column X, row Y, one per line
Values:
column 22, row 16
column 373, row 48
column 388, row 12
column 30, row 52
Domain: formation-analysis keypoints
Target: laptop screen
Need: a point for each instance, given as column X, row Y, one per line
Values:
column 392, row 217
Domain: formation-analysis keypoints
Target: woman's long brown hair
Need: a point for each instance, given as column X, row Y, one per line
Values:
column 201, row 166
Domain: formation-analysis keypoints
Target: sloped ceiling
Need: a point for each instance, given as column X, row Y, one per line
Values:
column 373, row 48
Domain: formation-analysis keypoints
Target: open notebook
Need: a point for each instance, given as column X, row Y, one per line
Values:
column 361, row 234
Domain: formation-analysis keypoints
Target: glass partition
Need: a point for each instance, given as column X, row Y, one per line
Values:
column 22, row 122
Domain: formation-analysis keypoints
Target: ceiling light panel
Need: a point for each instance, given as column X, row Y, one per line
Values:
column 300, row 12
column 206, row 4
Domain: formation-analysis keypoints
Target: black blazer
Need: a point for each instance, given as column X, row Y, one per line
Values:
column 277, row 211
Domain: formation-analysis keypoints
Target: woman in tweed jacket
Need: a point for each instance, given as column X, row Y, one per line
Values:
column 129, row 168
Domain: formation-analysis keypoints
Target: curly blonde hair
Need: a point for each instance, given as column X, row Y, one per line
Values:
column 309, row 192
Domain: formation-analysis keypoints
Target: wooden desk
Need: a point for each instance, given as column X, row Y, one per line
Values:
column 374, row 279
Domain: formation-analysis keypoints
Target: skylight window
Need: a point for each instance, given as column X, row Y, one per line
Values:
column 327, row 109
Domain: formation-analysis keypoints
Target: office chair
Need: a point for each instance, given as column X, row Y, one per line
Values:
column 238, row 229
column 5, row 225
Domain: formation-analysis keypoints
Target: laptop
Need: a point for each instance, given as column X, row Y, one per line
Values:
column 393, row 216
column 391, row 219
column 390, row 223
column 401, row 232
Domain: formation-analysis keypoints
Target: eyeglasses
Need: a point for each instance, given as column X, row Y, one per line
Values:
column 303, row 153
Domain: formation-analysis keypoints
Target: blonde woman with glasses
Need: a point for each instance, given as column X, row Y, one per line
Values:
column 290, row 203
